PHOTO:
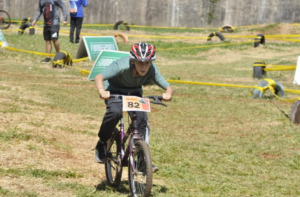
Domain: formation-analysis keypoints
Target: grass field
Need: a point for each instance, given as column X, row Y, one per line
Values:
column 209, row 141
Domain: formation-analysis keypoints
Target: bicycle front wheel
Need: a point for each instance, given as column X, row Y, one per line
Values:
column 113, row 164
column 4, row 20
column 140, row 175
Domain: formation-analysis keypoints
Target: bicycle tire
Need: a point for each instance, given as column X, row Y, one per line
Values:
column 5, row 20
column 216, row 33
column 259, row 39
column 121, row 23
column 295, row 112
column 113, row 163
column 140, row 182
column 24, row 26
column 258, row 71
column 278, row 89
column 227, row 28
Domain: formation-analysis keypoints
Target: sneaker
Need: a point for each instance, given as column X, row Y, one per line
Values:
column 46, row 60
column 100, row 152
column 154, row 168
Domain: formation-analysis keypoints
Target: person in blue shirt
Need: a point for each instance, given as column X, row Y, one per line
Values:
column 76, row 15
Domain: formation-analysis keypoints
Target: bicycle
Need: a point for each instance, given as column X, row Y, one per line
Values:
column 5, row 20
column 136, row 155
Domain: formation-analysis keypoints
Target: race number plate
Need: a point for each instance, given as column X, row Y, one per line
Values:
column 134, row 103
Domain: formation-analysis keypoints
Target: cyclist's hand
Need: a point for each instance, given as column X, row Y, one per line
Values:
column 166, row 96
column 104, row 94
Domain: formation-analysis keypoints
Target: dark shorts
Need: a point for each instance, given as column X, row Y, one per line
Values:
column 51, row 32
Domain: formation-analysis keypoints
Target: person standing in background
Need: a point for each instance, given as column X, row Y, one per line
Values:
column 49, row 9
column 76, row 14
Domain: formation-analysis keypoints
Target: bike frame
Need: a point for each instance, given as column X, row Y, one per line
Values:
column 140, row 169
column 133, row 135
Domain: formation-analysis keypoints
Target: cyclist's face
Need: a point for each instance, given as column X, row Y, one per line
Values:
column 142, row 67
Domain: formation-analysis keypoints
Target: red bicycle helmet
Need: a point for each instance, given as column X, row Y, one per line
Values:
column 142, row 52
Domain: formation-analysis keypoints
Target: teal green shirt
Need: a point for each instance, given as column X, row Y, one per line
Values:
column 118, row 77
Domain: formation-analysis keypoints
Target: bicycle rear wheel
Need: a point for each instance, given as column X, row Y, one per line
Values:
column 4, row 20
column 140, row 178
column 113, row 164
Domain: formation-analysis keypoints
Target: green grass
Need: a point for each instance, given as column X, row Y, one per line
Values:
column 209, row 141
column 40, row 173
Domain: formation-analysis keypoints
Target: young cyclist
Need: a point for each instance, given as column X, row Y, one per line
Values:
column 126, row 76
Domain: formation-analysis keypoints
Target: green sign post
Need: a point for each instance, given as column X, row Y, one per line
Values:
column 91, row 46
column 104, row 59
column 2, row 39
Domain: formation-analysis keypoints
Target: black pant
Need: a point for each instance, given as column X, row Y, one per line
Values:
column 112, row 117
column 76, row 22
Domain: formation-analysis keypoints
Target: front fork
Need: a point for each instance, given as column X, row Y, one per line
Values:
column 132, row 148
column 133, row 136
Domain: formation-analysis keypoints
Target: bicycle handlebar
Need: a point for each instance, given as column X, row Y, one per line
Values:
column 155, row 99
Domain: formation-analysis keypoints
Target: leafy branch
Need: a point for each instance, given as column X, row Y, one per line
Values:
column 211, row 13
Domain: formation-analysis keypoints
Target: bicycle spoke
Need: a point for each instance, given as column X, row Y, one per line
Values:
column 140, row 178
column 113, row 165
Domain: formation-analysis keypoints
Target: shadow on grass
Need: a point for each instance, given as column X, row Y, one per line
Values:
column 159, row 189
column 123, row 188
column 271, row 101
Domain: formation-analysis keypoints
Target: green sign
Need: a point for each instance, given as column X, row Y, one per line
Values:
column 2, row 39
column 104, row 59
column 91, row 46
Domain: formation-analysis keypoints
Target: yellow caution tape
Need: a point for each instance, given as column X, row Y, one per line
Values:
column 61, row 62
column 211, row 84
column 271, row 82
column 275, row 67
column 192, row 38
column 205, row 46
column 280, row 69
column 97, row 25
column 271, row 87
column 67, row 32
column 83, row 72
column 81, row 59
column 282, row 35
column 158, row 27
column 44, row 54
column 280, row 66
column 25, row 51
column 58, row 62
column 288, row 40
column 75, row 68
column 292, row 91
column 263, row 89
column 249, row 26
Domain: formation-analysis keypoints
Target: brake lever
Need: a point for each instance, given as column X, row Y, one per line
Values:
column 158, row 103
column 156, row 100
